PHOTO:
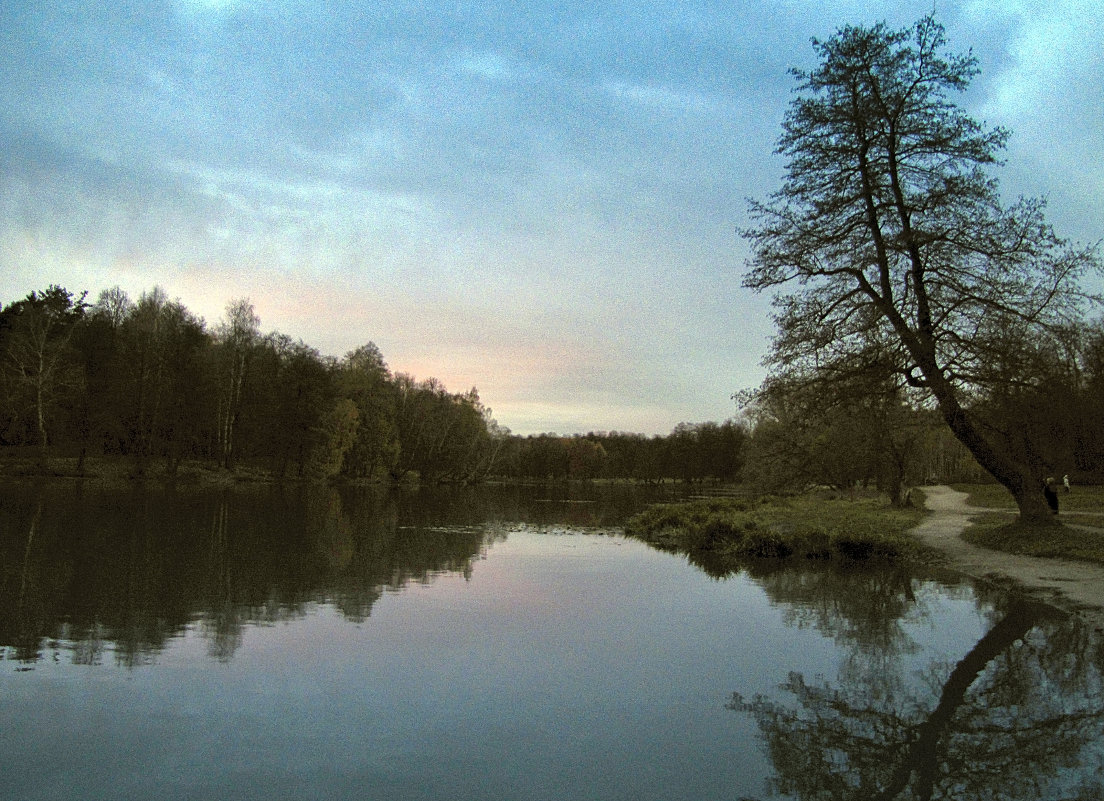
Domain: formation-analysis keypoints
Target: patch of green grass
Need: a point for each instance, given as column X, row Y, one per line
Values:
column 1061, row 541
column 994, row 496
column 807, row 527
column 989, row 496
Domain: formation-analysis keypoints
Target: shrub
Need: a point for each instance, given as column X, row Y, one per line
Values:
column 777, row 528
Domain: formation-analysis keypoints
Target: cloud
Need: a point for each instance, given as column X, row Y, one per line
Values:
column 539, row 199
column 1047, row 88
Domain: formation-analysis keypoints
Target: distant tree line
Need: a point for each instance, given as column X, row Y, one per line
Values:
column 149, row 381
column 691, row 452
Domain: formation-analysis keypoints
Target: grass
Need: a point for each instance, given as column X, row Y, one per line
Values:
column 994, row 496
column 1079, row 535
column 800, row 527
column 1061, row 541
column 816, row 527
column 122, row 468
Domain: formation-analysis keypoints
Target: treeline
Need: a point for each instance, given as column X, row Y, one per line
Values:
column 149, row 381
column 691, row 452
column 1043, row 404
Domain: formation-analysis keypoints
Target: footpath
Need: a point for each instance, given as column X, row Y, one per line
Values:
column 1074, row 586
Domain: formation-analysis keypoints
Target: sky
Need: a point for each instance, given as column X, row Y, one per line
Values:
column 540, row 200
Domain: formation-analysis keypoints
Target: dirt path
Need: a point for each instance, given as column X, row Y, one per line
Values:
column 1076, row 586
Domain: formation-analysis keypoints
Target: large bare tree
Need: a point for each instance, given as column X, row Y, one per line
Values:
column 889, row 237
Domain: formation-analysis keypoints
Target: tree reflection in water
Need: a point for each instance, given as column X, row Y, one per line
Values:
column 88, row 569
column 1020, row 715
column 88, row 575
column 123, row 571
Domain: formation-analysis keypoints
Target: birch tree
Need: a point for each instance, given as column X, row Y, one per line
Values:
column 237, row 338
column 38, row 360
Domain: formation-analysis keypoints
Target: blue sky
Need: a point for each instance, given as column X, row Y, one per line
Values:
column 540, row 200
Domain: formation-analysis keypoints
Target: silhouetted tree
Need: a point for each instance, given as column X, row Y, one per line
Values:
column 300, row 389
column 895, row 235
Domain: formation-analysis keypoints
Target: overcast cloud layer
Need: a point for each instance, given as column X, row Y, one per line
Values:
column 540, row 200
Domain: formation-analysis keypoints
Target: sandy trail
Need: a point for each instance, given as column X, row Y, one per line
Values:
column 1075, row 586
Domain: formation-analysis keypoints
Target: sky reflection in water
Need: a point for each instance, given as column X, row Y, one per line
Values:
column 480, row 646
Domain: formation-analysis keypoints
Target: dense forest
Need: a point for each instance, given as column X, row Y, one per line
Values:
column 152, row 386
column 150, row 382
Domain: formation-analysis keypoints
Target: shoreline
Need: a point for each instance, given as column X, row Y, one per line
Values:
column 1074, row 587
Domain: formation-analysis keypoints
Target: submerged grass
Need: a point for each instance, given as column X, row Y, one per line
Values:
column 771, row 527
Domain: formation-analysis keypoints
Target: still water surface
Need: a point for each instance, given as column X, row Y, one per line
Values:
column 268, row 643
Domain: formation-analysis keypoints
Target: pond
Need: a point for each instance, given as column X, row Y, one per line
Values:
column 502, row 643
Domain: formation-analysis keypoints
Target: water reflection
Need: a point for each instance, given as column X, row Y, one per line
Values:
column 124, row 570
column 562, row 667
column 1018, row 715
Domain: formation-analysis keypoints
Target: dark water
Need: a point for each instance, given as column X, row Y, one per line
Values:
column 272, row 643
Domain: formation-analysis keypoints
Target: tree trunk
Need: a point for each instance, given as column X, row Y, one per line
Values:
column 899, row 497
column 921, row 757
column 1016, row 477
column 920, row 341
column 1026, row 489
column 43, row 439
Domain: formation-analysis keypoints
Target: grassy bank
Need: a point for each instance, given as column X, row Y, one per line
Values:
column 1079, row 536
column 1083, row 543
column 801, row 527
column 1080, row 499
column 121, row 468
